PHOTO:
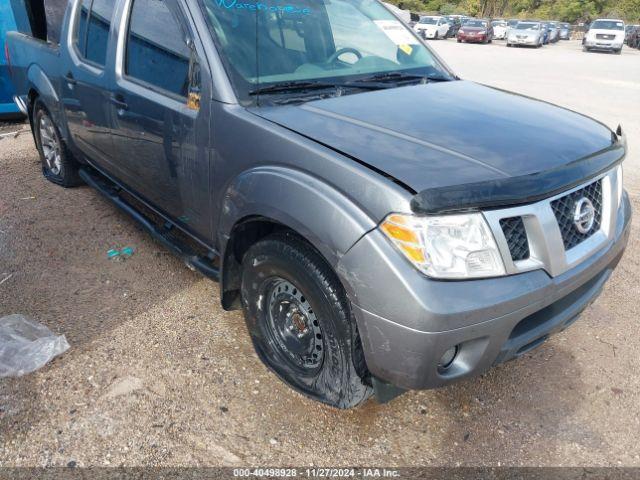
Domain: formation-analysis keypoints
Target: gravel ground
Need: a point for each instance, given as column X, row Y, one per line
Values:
column 158, row 374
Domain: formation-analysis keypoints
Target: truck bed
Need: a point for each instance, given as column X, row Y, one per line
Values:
column 34, row 63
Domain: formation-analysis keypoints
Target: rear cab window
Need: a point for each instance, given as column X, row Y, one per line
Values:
column 91, row 35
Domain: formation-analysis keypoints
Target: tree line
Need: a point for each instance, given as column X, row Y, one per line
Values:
column 564, row 10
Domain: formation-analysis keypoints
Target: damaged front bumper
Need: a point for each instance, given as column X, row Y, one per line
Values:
column 410, row 324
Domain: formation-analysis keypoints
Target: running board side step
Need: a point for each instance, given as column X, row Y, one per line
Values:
column 109, row 190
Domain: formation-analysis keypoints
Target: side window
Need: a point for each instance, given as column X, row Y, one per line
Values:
column 92, row 31
column 157, row 52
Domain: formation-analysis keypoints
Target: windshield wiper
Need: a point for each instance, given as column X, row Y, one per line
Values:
column 297, row 86
column 392, row 77
column 400, row 77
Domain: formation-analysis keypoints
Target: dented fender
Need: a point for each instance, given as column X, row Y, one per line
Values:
column 327, row 218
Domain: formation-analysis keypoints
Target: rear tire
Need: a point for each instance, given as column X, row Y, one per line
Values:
column 300, row 321
column 58, row 164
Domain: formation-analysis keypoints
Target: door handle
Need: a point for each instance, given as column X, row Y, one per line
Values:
column 119, row 104
column 69, row 79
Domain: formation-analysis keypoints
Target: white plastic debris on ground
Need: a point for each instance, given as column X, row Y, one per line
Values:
column 26, row 346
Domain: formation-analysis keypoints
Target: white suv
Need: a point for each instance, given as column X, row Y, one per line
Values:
column 605, row 34
column 432, row 27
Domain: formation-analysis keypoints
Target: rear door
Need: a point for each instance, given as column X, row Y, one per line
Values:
column 161, row 135
column 85, row 84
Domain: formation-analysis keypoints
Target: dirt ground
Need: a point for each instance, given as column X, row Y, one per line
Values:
column 159, row 375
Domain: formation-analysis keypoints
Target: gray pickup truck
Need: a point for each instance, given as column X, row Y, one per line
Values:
column 383, row 224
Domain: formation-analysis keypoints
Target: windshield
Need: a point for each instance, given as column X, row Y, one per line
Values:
column 528, row 26
column 429, row 20
column 499, row 24
column 475, row 23
column 607, row 25
column 269, row 43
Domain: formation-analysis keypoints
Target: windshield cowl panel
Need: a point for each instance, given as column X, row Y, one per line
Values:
column 272, row 43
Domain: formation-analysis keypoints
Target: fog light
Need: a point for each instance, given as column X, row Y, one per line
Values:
column 448, row 358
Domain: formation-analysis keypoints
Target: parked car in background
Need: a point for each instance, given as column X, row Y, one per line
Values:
column 634, row 41
column 554, row 32
column 529, row 34
column 455, row 23
column 511, row 24
column 432, row 27
column 500, row 28
column 476, row 31
column 605, row 35
column 565, row 31
column 632, row 35
column 544, row 28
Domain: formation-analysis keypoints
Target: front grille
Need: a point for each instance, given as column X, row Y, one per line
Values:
column 564, row 210
column 602, row 36
column 516, row 235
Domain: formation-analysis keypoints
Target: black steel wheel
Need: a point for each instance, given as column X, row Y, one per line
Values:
column 293, row 327
column 300, row 321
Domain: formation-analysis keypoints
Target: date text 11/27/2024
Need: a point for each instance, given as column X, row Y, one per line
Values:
column 317, row 472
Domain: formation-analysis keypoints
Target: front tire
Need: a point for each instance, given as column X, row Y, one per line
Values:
column 58, row 165
column 300, row 321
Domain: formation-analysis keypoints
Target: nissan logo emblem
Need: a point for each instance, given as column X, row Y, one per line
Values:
column 584, row 216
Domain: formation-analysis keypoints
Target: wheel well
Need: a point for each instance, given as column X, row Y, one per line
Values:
column 32, row 96
column 244, row 235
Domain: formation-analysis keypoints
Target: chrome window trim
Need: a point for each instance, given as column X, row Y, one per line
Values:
column 546, row 247
column 76, row 57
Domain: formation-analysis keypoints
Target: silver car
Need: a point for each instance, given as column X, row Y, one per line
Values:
column 526, row 33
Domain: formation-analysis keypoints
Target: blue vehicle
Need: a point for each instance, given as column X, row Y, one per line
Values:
column 545, row 34
column 14, row 15
column 8, row 108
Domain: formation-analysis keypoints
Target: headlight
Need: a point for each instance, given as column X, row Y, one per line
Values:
column 448, row 246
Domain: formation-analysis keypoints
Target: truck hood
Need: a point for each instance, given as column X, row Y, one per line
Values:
column 448, row 133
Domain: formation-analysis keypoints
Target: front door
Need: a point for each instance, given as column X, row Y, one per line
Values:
column 85, row 83
column 160, row 135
